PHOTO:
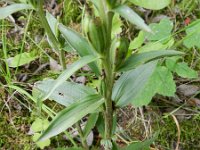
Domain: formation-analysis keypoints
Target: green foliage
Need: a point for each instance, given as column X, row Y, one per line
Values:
column 6, row 11
column 131, row 83
column 79, row 43
column 108, row 54
column 140, row 145
column 151, row 4
column 42, row 144
column 116, row 25
column 193, row 35
column 21, row 59
column 68, row 72
column 65, row 94
column 161, row 31
column 137, row 59
column 69, row 116
column 90, row 124
column 131, row 16
column 38, row 126
column 180, row 68
column 159, row 39
column 71, row 11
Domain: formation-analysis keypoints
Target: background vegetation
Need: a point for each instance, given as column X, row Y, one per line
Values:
column 175, row 119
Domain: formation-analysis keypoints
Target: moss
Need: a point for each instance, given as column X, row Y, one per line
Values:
column 189, row 133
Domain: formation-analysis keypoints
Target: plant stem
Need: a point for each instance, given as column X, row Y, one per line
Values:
column 50, row 34
column 109, row 80
column 109, row 77
column 80, row 131
column 5, row 56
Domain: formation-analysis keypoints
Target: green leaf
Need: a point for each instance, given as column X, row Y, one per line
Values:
column 161, row 31
column 140, row 145
column 131, row 83
column 101, row 125
column 116, row 25
column 8, row 10
column 131, row 16
column 151, row 4
column 80, row 44
column 39, row 125
column 141, row 58
column 163, row 81
column 184, row 71
column 115, row 146
column 53, row 23
column 138, row 41
column 71, row 115
column 68, row 72
column 65, row 94
column 21, row 59
column 41, row 144
column 90, row 124
column 154, row 46
column 171, row 63
column 193, row 35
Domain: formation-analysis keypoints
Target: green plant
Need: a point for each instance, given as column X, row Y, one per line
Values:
column 108, row 55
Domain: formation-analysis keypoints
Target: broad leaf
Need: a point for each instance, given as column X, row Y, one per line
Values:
column 65, row 94
column 80, row 44
column 161, row 82
column 193, row 35
column 183, row 70
column 151, row 4
column 41, row 144
column 131, row 83
column 39, row 125
column 68, row 72
column 116, row 25
column 161, row 31
column 21, row 59
column 157, row 45
column 127, row 13
column 138, row 41
column 8, row 10
column 71, row 115
column 141, row 58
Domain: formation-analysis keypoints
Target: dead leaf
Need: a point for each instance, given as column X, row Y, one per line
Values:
column 187, row 90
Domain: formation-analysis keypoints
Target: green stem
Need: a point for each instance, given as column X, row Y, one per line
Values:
column 70, row 138
column 80, row 131
column 109, row 77
column 50, row 34
column 8, row 74
column 109, row 81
